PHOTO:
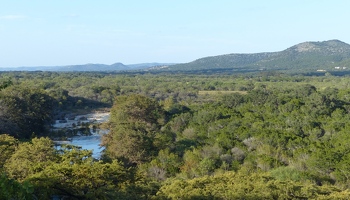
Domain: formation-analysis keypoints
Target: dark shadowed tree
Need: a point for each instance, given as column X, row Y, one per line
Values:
column 24, row 111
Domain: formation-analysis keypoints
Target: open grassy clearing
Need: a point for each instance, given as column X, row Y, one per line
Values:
column 320, row 85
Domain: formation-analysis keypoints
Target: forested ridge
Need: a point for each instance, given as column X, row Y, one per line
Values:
column 305, row 57
column 178, row 136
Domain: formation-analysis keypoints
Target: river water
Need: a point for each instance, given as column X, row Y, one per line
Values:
column 89, row 142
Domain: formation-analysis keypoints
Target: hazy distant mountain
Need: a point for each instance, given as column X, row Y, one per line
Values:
column 303, row 57
column 90, row 67
column 93, row 67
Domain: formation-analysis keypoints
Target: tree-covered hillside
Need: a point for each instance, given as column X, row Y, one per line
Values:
column 301, row 58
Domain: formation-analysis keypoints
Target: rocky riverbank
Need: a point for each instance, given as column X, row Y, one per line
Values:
column 82, row 130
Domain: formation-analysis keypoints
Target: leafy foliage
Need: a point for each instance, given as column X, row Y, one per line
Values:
column 245, row 186
column 24, row 111
column 134, row 122
column 210, row 137
column 11, row 189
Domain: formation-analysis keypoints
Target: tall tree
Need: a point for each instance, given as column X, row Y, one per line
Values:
column 134, row 122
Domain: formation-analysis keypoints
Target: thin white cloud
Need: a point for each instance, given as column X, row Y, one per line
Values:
column 12, row 17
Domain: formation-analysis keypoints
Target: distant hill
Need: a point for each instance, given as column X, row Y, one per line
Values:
column 90, row 67
column 304, row 57
column 93, row 67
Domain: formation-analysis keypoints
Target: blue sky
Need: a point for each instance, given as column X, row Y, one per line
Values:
column 65, row 32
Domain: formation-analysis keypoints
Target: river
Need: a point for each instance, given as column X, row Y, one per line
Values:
column 89, row 142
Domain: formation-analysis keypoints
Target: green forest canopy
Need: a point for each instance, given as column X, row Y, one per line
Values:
column 249, row 137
